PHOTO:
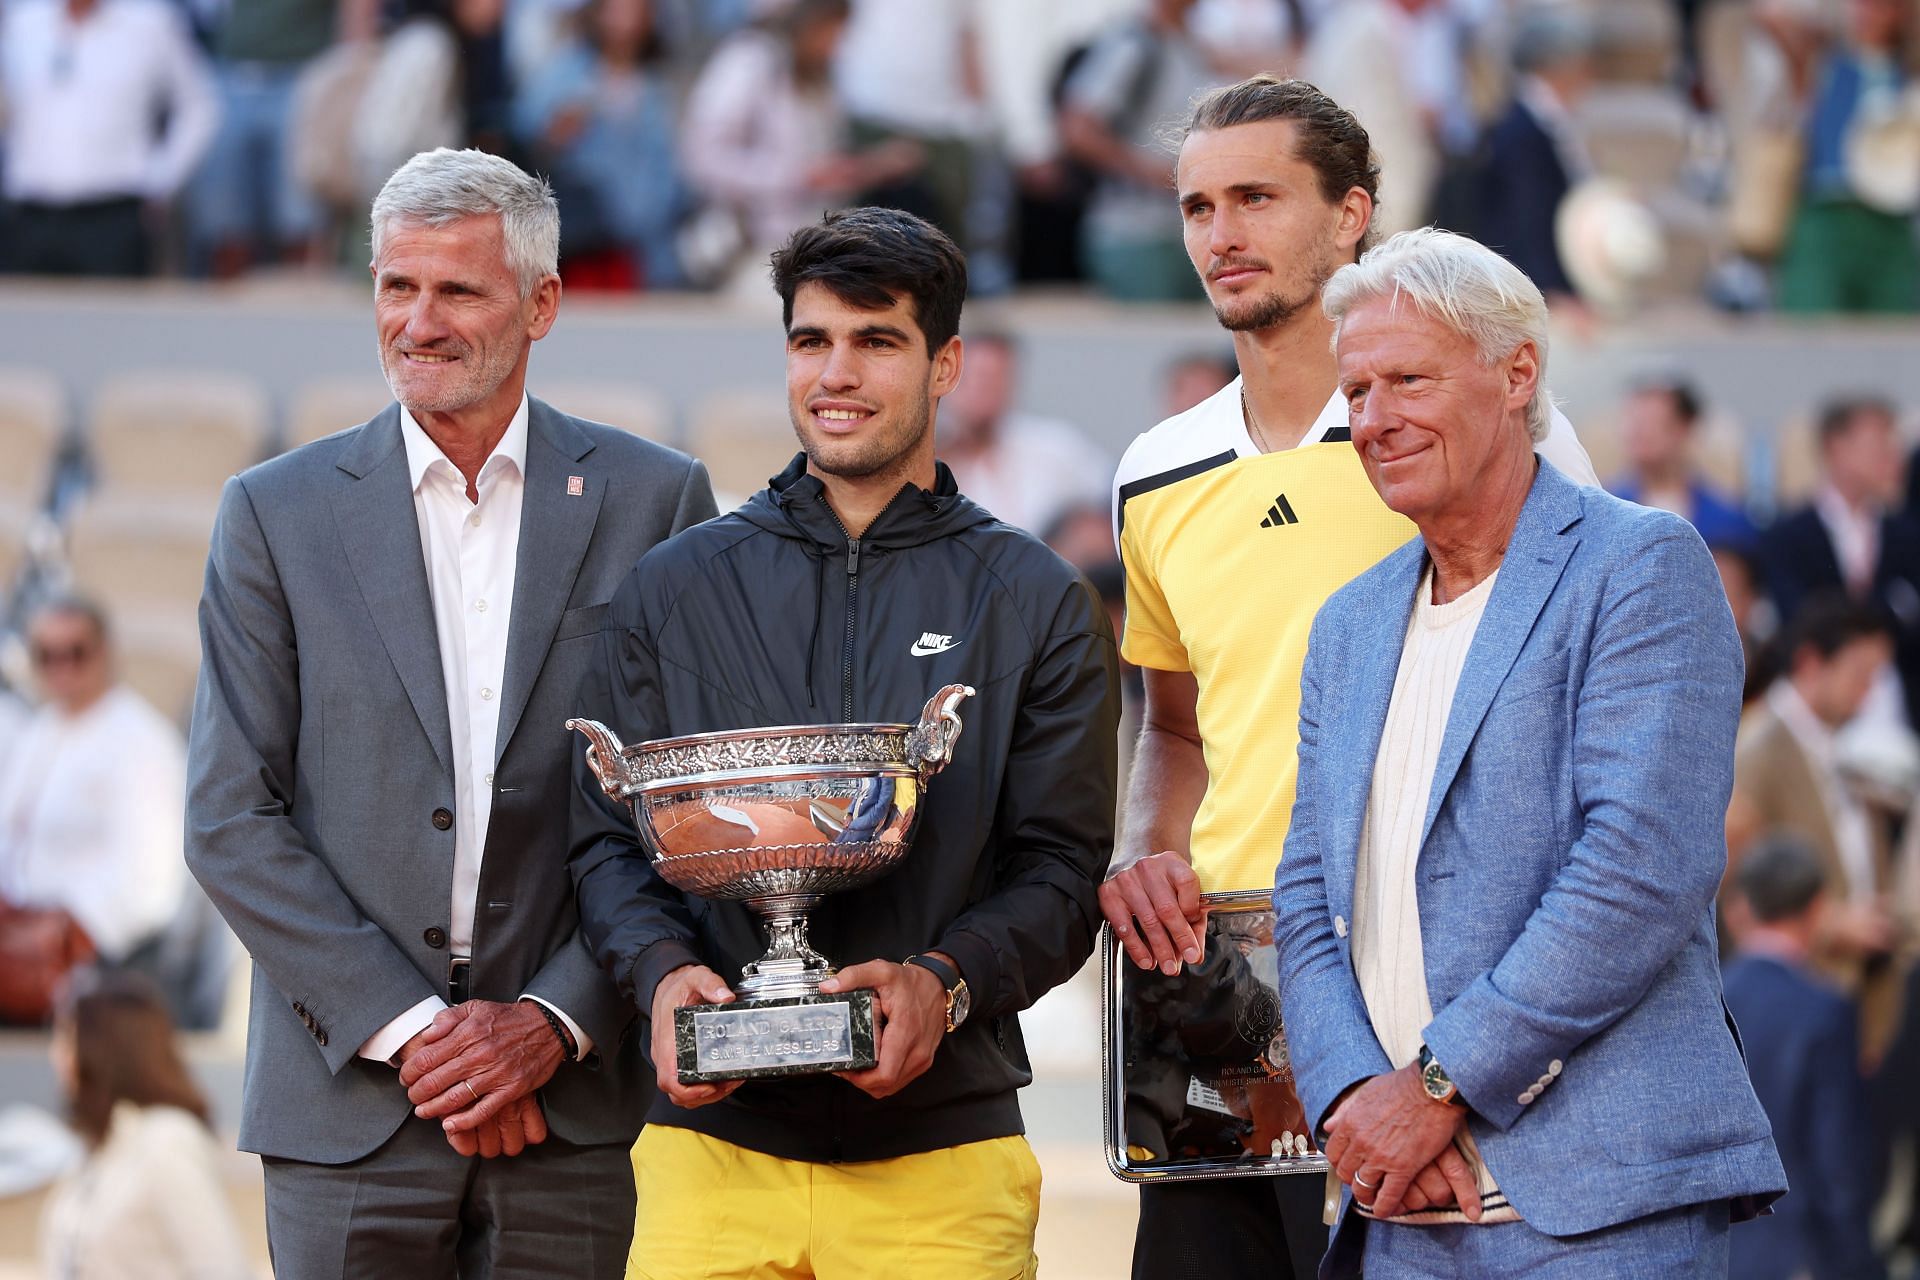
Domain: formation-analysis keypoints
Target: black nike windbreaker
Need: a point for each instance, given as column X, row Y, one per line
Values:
column 772, row 615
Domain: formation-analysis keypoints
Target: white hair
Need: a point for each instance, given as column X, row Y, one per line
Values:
column 1460, row 283
column 442, row 186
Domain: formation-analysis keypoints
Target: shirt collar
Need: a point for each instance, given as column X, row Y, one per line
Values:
column 423, row 453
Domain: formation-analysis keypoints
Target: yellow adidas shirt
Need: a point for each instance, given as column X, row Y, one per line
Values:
column 1229, row 553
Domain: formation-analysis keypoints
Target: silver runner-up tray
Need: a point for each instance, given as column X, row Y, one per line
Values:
column 1198, row 1082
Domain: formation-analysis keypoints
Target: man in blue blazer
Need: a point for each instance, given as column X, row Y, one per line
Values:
column 1516, row 748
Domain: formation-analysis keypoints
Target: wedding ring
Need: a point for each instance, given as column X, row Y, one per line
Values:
column 1359, row 1181
column 471, row 1091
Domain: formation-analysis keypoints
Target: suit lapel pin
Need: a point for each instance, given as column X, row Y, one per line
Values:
column 576, row 485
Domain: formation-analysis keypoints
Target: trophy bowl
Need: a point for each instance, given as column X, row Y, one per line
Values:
column 777, row 818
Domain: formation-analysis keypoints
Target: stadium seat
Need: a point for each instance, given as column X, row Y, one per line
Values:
column 1695, row 236
column 33, row 411
column 1636, row 133
column 159, row 656
column 744, row 437
column 320, row 408
column 629, row 406
column 173, row 435
column 1638, row 41
column 1796, row 462
column 13, row 545
column 141, row 555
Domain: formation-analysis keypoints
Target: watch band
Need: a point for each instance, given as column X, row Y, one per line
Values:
column 949, row 978
column 948, row 975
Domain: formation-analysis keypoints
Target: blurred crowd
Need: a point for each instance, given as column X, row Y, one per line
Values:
column 1750, row 152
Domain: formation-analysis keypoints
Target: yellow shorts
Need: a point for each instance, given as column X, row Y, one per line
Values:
column 710, row 1210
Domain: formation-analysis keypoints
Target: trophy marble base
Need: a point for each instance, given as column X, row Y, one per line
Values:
column 775, row 1036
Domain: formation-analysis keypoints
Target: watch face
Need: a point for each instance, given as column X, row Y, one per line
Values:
column 1438, row 1086
column 962, row 1002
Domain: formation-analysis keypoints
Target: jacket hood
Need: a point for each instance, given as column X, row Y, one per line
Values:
column 794, row 505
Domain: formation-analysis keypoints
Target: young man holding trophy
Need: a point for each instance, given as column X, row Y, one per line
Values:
column 864, row 1122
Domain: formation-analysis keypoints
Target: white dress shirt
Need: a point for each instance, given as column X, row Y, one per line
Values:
column 112, row 859
column 82, row 97
column 472, row 551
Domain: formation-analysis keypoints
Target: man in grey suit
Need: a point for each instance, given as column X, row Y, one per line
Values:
column 394, row 624
column 1495, row 912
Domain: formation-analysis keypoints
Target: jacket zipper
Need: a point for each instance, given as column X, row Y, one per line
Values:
column 853, row 594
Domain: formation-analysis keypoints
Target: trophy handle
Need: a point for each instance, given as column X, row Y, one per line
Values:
column 603, row 757
column 930, row 743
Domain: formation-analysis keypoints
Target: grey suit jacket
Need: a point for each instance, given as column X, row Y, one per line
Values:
column 320, row 754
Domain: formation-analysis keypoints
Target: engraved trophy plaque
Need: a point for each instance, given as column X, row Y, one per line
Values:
column 1199, row 1080
column 777, row 819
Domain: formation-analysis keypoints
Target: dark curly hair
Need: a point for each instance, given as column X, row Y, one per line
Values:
column 868, row 258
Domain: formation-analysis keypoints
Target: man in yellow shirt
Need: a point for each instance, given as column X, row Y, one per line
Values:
column 1236, row 520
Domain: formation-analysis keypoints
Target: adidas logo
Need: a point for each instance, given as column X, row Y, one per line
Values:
column 1279, row 513
column 930, row 643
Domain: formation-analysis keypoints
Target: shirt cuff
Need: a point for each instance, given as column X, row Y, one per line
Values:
column 384, row 1043
column 582, row 1042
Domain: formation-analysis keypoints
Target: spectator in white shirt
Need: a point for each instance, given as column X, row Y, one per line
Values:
column 1025, row 468
column 91, row 812
column 85, row 83
column 910, row 70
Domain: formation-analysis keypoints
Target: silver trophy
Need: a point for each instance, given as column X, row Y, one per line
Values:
column 778, row 818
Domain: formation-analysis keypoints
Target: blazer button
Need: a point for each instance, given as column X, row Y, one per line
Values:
column 442, row 819
column 320, row 1037
column 1339, row 926
column 435, row 937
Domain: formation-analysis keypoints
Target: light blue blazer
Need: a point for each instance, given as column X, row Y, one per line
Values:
column 1573, row 844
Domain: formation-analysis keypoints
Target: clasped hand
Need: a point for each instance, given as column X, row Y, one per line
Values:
column 1394, row 1146
column 475, row 1069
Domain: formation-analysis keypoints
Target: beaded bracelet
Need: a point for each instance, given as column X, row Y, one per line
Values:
column 568, row 1049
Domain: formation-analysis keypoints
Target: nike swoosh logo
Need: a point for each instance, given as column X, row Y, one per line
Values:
column 920, row 650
